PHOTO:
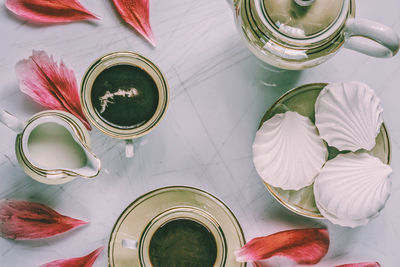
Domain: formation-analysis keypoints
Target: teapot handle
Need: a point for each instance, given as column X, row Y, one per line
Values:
column 10, row 121
column 371, row 38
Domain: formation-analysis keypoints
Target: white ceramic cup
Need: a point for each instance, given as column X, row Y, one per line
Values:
column 124, row 58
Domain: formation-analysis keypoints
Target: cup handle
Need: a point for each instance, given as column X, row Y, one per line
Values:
column 129, row 243
column 10, row 121
column 374, row 39
column 129, row 148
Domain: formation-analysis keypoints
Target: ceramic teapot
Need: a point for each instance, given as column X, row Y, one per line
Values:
column 299, row 34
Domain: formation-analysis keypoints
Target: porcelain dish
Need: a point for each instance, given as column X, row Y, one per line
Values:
column 302, row 100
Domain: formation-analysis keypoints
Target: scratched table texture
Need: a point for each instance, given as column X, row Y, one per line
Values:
column 219, row 93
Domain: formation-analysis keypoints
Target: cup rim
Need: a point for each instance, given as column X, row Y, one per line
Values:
column 128, row 58
column 182, row 213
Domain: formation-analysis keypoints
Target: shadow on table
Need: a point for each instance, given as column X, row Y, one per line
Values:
column 272, row 80
column 341, row 238
column 280, row 214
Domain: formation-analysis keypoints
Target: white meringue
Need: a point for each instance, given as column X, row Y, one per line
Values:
column 287, row 151
column 348, row 116
column 352, row 188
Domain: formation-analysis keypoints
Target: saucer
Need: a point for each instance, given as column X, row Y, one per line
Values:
column 302, row 100
column 137, row 224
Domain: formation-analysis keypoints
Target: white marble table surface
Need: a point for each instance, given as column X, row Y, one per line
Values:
column 219, row 92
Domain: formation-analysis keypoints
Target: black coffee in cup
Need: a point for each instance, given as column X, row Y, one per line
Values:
column 124, row 96
column 182, row 243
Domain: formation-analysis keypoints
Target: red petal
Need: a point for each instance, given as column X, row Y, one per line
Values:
column 22, row 220
column 136, row 13
column 54, row 11
column 304, row 246
column 49, row 84
column 361, row 264
column 85, row 261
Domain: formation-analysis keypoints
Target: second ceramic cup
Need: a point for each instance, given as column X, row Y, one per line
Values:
column 125, row 96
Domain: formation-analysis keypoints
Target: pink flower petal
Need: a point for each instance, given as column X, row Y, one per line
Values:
column 54, row 11
column 49, row 84
column 85, row 261
column 304, row 246
column 361, row 264
column 136, row 13
column 23, row 220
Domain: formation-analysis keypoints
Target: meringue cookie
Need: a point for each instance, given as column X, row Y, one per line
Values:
column 352, row 188
column 287, row 151
column 348, row 116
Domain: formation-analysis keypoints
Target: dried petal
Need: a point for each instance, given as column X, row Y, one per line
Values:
column 304, row 246
column 85, row 261
column 361, row 264
column 23, row 220
column 49, row 84
column 55, row 11
column 136, row 14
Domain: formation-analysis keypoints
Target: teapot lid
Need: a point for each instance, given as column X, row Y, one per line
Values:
column 302, row 19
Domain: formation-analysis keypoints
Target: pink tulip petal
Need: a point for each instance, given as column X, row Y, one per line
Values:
column 361, row 264
column 85, row 261
column 23, row 220
column 49, row 84
column 136, row 14
column 304, row 246
column 54, row 11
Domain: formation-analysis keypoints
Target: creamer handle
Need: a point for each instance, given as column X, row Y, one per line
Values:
column 10, row 121
column 233, row 3
column 371, row 38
